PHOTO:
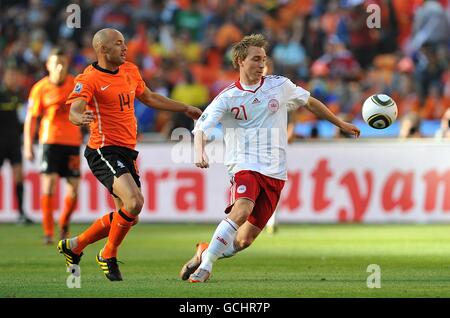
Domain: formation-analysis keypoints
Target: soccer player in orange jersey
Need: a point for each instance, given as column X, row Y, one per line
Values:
column 103, row 97
column 59, row 140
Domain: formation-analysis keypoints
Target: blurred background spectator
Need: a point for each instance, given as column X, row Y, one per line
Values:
column 182, row 49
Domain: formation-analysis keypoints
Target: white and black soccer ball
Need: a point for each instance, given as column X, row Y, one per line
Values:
column 379, row 111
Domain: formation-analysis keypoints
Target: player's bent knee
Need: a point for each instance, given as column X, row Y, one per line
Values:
column 134, row 204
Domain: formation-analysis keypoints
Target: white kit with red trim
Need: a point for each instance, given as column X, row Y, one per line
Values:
column 254, row 123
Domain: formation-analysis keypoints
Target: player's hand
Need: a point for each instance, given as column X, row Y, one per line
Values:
column 350, row 129
column 193, row 112
column 87, row 117
column 28, row 152
column 202, row 161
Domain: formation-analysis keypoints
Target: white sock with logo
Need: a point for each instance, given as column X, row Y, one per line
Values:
column 230, row 251
column 221, row 241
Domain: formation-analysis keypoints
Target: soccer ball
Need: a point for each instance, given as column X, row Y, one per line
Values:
column 379, row 111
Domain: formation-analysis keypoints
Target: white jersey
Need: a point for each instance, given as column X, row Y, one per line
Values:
column 254, row 122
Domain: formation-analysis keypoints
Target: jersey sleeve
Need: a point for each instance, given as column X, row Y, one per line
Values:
column 140, row 83
column 34, row 101
column 83, row 89
column 296, row 95
column 211, row 117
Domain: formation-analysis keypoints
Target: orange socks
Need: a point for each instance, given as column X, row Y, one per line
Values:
column 69, row 206
column 120, row 226
column 98, row 230
column 47, row 214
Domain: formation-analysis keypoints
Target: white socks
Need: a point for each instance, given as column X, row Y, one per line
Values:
column 221, row 244
column 73, row 242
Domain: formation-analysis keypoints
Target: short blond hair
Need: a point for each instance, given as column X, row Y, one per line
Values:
column 240, row 49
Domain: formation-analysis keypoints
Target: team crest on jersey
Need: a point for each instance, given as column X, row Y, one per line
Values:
column 78, row 88
column 273, row 105
column 241, row 189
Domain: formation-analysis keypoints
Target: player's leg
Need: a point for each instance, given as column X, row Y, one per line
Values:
column 256, row 221
column 115, row 168
column 128, row 191
column 249, row 228
column 262, row 212
column 70, row 201
column 97, row 231
column 245, row 236
column 243, row 192
column 73, row 248
column 69, row 168
column 49, row 167
column 17, row 170
column 222, row 239
column 130, row 194
column 48, row 186
column 244, row 185
column 14, row 154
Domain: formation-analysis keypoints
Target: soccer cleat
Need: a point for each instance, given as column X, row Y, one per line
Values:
column 109, row 267
column 71, row 257
column 200, row 276
column 194, row 262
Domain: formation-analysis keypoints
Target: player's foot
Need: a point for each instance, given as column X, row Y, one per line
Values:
column 48, row 240
column 64, row 234
column 109, row 267
column 24, row 220
column 71, row 257
column 200, row 276
column 194, row 262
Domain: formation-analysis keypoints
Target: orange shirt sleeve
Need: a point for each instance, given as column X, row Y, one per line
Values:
column 140, row 82
column 82, row 90
column 34, row 100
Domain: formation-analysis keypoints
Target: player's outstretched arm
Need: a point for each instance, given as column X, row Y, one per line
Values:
column 157, row 101
column 322, row 111
column 79, row 115
column 200, row 158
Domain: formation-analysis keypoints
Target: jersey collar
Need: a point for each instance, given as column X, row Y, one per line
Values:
column 101, row 69
column 238, row 85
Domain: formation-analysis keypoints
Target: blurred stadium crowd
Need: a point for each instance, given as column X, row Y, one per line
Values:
column 182, row 48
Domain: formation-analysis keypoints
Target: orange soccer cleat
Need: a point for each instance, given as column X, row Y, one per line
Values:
column 191, row 265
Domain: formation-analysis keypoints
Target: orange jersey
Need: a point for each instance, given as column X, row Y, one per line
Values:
column 48, row 101
column 110, row 95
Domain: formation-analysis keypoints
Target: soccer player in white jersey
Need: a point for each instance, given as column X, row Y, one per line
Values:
column 253, row 113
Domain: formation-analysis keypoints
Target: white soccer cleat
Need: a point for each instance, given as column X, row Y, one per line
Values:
column 200, row 276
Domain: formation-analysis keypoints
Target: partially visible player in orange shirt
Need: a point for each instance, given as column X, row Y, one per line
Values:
column 103, row 97
column 59, row 140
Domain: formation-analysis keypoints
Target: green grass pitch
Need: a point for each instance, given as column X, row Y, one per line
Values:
column 299, row 261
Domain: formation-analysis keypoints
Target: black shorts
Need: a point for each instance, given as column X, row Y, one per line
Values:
column 10, row 149
column 61, row 159
column 112, row 161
